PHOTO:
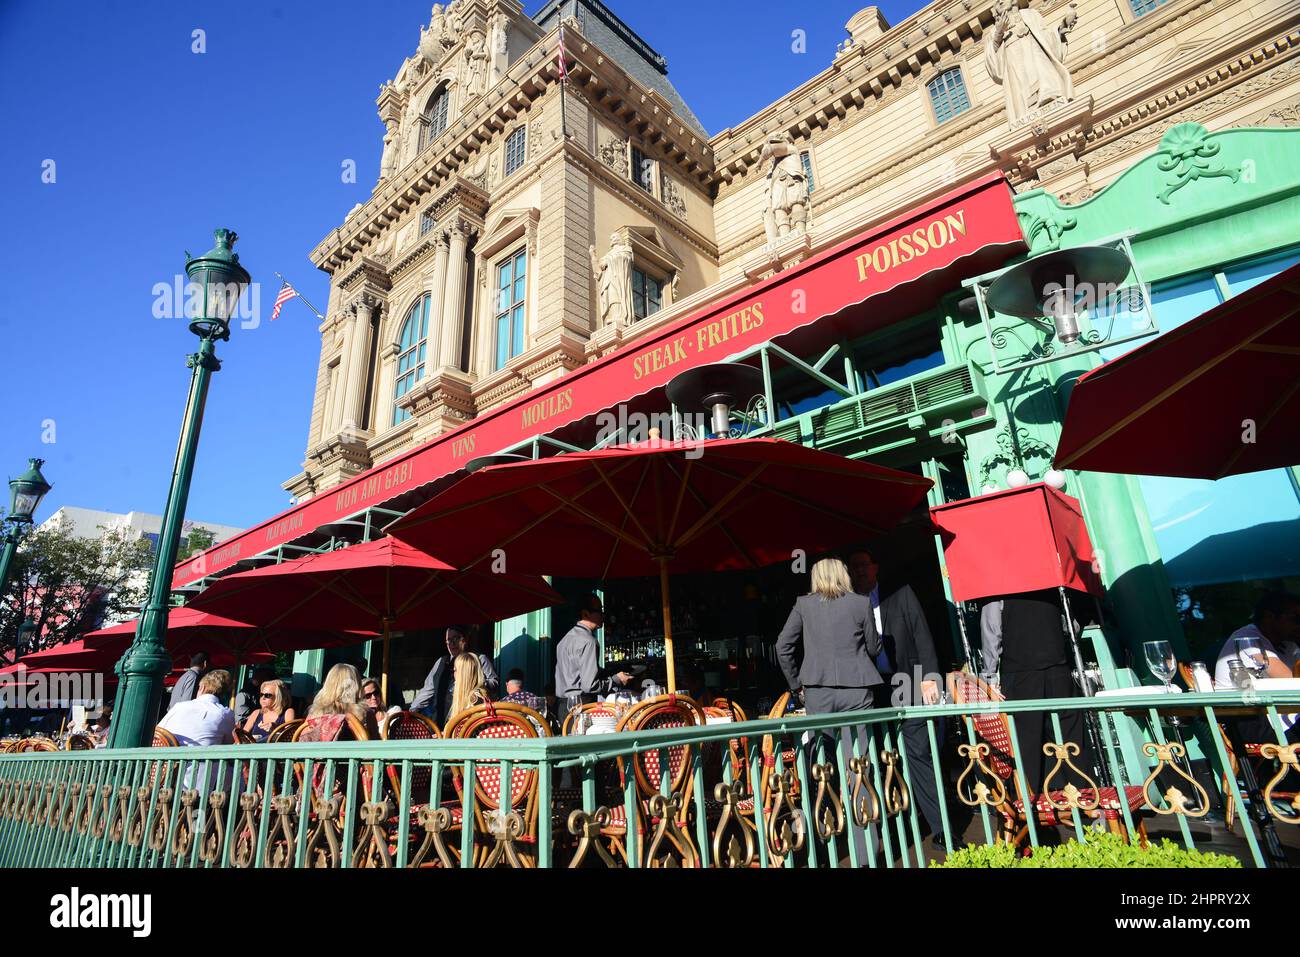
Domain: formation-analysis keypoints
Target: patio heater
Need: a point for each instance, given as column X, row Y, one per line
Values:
column 501, row 458
column 1052, row 285
column 716, row 388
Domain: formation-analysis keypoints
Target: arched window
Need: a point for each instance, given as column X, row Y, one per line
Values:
column 411, row 354
column 435, row 114
column 948, row 94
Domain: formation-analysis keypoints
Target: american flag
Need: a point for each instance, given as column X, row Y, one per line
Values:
column 287, row 292
column 564, row 67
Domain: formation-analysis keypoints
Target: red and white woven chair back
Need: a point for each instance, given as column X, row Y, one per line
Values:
column 991, row 726
column 666, row 711
column 501, row 722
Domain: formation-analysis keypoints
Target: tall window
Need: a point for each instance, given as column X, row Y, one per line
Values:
column 806, row 159
column 426, row 222
column 511, row 285
column 948, row 94
column 643, row 170
column 411, row 353
column 1140, row 7
column 435, row 114
column 647, row 294
column 515, row 149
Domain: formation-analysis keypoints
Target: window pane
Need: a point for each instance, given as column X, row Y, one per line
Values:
column 1139, row 7
column 1252, row 274
column 518, row 329
column 806, row 158
column 948, row 94
column 503, row 341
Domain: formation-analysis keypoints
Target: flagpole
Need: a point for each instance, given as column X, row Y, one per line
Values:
column 302, row 297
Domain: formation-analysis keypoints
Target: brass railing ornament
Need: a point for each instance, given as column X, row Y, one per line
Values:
column 586, row 828
column 505, row 827
column 70, row 809
column 897, row 798
column 1165, row 755
column 669, row 845
column 323, row 845
column 1072, row 797
column 104, row 812
column 979, row 793
column 214, row 829
column 828, row 812
column 161, row 811
column 740, row 847
column 243, row 849
column 1288, row 757
column 435, row 821
column 372, row 844
column 140, row 821
column 785, row 823
column 55, row 822
column 121, row 815
column 865, row 800
column 183, row 830
column 280, row 843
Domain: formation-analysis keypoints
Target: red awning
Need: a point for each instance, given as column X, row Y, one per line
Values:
column 894, row 269
column 1023, row 539
column 1184, row 403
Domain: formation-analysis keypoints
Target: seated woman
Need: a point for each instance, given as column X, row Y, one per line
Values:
column 338, row 699
column 273, row 710
column 468, row 685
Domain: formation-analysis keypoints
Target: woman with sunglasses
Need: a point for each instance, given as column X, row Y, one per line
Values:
column 273, row 710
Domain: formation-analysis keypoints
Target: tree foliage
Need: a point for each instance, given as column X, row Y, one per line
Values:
column 68, row 585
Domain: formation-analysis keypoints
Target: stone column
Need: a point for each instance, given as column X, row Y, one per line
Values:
column 434, row 359
column 453, row 306
column 359, row 348
column 340, row 385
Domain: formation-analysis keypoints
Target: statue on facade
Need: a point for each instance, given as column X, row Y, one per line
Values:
column 787, row 188
column 476, row 64
column 388, row 162
column 613, row 273
column 431, row 36
column 1026, row 58
column 498, row 42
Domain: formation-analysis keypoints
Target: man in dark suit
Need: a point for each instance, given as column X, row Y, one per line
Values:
column 909, row 654
column 434, row 698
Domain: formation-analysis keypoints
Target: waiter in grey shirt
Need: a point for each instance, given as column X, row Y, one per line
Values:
column 187, row 685
column 577, row 658
column 434, row 698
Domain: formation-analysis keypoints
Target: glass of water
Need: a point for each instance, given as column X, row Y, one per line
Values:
column 1252, row 656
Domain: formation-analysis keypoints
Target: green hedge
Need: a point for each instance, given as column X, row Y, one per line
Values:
column 1098, row 850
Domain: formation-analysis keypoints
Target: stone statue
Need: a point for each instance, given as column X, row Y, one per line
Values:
column 409, row 75
column 1026, row 58
column 787, row 188
column 476, row 63
column 498, row 41
column 388, row 162
column 613, row 274
column 431, row 36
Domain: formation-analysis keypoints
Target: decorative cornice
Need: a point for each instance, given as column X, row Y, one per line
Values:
column 365, row 273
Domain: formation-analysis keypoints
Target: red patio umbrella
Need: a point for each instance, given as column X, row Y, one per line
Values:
column 636, row 510
column 1180, row 404
column 102, row 655
column 384, row 584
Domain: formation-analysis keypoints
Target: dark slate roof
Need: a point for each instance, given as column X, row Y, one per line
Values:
column 601, row 26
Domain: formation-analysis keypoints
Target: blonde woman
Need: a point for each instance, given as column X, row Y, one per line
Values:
column 828, row 647
column 468, row 686
column 339, row 697
column 273, row 710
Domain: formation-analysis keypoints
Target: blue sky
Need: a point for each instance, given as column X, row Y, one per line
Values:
column 153, row 145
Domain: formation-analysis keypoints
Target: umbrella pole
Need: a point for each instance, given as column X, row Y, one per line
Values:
column 668, row 625
column 383, row 679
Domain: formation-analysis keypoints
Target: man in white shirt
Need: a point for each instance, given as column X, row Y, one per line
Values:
column 204, row 720
column 1276, row 625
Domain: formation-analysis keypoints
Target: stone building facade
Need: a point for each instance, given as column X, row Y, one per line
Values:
column 523, row 226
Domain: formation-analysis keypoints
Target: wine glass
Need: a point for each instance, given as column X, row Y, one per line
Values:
column 1252, row 656
column 1238, row 674
column 1161, row 661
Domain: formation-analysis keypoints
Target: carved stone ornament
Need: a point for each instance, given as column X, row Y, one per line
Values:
column 613, row 273
column 613, row 153
column 673, row 198
column 1026, row 57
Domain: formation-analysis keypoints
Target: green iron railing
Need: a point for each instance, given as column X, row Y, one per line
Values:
column 796, row 791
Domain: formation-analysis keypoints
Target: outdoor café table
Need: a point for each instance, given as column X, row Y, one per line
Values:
column 1229, row 716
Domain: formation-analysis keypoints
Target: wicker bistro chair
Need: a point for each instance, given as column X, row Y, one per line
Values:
column 597, row 709
column 994, row 752
column 667, row 814
column 243, row 737
column 508, row 821
column 29, row 745
column 285, row 732
column 1253, row 754
column 162, row 738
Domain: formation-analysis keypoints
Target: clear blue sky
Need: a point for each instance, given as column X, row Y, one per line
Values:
column 154, row 145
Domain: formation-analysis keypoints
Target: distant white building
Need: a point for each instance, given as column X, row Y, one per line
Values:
column 93, row 523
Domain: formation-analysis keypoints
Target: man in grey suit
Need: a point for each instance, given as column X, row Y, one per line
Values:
column 577, row 658
column 434, row 698
column 187, row 685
